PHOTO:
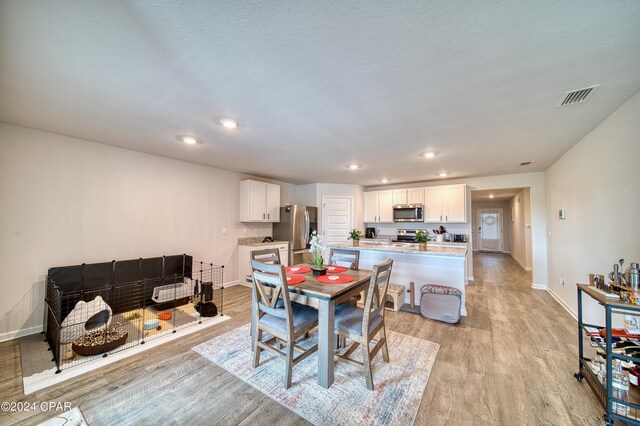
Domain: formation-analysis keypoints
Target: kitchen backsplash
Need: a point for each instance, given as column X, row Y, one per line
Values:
column 249, row 240
column 392, row 228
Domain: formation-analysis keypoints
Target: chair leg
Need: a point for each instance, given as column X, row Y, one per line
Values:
column 256, row 348
column 366, row 361
column 385, row 350
column 290, row 354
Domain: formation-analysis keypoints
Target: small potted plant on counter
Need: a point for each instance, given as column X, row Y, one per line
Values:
column 422, row 237
column 355, row 235
column 317, row 249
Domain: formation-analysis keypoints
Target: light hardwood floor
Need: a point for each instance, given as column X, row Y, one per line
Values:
column 509, row 362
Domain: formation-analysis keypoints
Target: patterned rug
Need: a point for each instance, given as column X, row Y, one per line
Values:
column 399, row 385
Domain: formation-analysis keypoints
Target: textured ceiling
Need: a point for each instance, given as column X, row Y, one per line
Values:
column 498, row 194
column 317, row 85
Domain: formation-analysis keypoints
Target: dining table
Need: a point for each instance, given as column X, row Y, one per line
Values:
column 324, row 297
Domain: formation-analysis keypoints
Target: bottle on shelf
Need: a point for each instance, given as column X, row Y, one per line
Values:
column 620, row 387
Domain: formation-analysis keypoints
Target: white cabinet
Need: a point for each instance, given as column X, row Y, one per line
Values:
column 244, row 256
column 273, row 203
column 408, row 196
column 399, row 196
column 415, row 196
column 445, row 204
column 259, row 201
column 378, row 207
column 456, row 203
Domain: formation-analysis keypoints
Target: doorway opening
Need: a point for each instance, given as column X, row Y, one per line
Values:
column 501, row 223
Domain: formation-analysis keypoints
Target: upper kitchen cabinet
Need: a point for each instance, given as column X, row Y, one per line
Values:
column 399, row 196
column 408, row 196
column 259, row 201
column 445, row 204
column 378, row 206
column 415, row 196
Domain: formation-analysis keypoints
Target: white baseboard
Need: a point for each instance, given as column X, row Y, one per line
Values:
column 538, row 286
column 231, row 283
column 526, row 268
column 16, row 334
column 564, row 305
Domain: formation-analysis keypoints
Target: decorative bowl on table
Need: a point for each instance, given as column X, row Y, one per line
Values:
column 319, row 271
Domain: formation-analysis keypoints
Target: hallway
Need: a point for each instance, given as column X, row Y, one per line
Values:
column 509, row 362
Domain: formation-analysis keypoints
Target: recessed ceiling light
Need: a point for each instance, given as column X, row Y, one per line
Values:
column 385, row 181
column 526, row 163
column 229, row 123
column 490, row 195
column 353, row 166
column 189, row 140
column 428, row 154
column 443, row 174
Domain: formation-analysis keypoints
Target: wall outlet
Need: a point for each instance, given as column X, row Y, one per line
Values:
column 562, row 280
column 224, row 231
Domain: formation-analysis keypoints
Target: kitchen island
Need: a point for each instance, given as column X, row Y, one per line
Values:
column 443, row 264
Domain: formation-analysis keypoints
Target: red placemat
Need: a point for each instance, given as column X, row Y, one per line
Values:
column 331, row 269
column 342, row 279
column 301, row 269
column 295, row 279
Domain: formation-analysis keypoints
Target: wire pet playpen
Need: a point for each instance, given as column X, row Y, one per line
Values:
column 96, row 309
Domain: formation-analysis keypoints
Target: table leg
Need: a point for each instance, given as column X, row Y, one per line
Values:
column 326, row 343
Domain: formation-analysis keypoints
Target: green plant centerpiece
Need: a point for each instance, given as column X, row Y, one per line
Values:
column 355, row 235
column 317, row 247
column 422, row 237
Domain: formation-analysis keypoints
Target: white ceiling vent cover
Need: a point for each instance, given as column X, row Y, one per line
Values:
column 578, row 96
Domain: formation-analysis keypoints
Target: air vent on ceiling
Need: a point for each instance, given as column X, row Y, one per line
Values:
column 526, row 163
column 578, row 96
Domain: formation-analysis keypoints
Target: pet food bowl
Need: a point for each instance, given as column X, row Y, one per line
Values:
column 165, row 316
column 151, row 324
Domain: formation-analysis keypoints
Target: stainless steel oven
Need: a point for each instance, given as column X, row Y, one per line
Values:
column 408, row 213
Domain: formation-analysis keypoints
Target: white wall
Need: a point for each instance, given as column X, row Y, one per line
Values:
column 506, row 221
column 312, row 195
column 597, row 182
column 521, row 228
column 536, row 184
column 66, row 201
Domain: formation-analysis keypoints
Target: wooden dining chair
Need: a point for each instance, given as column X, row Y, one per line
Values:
column 285, row 324
column 338, row 256
column 362, row 325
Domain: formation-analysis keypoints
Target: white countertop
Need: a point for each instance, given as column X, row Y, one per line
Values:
column 274, row 243
column 433, row 249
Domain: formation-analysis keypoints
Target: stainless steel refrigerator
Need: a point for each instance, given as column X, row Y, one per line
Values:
column 297, row 222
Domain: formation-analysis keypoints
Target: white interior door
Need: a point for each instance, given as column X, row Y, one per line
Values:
column 490, row 229
column 336, row 218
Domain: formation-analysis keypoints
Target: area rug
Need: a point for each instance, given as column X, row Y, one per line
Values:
column 68, row 418
column 399, row 385
column 35, row 347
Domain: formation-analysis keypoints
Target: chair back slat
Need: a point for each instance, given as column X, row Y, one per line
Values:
column 346, row 256
column 377, row 293
column 271, row 255
column 274, row 276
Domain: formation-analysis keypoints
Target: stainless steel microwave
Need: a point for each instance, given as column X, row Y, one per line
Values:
column 408, row 213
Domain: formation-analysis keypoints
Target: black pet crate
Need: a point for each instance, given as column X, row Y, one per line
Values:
column 125, row 303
